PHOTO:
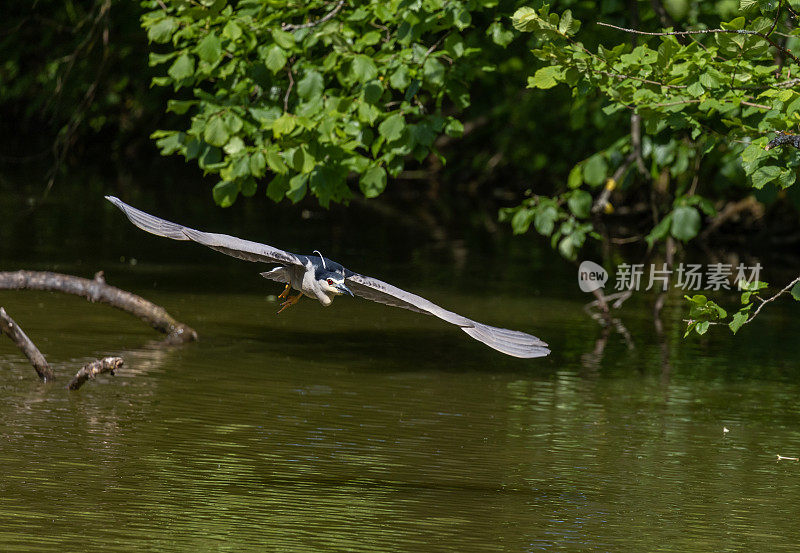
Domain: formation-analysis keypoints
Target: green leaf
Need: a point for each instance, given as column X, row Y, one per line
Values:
column 595, row 170
column 764, row 175
column 399, row 80
column 454, row 128
column 277, row 188
column 796, row 291
column 297, row 187
column 568, row 25
column 434, row 71
column 225, row 193
column 311, row 85
column 754, row 286
column 575, row 178
column 697, row 299
column 685, row 223
column 161, row 31
column 216, row 132
column 248, row 186
column 169, row 142
column 283, row 125
column 754, row 152
column 544, row 219
column 180, row 106
column 363, row 68
column 210, row 48
column 702, row 327
column 500, row 35
column 659, row 232
column 182, row 68
column 392, row 127
column 373, row 92
column 283, row 39
column 234, row 146
column 546, row 77
column 709, row 80
column 276, row 58
column 258, row 164
column 695, row 89
column 276, row 162
column 527, row 20
column 373, row 181
column 232, row 30
column 739, row 319
column 735, row 24
column 787, row 177
column 580, row 203
column 521, row 220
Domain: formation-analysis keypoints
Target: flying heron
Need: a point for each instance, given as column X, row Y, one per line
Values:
column 320, row 278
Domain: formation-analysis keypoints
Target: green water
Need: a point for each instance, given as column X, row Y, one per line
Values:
column 366, row 428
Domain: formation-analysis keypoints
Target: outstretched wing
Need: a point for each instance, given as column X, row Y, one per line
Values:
column 236, row 247
column 510, row 342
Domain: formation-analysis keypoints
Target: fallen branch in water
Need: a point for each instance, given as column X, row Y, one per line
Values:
column 11, row 329
column 91, row 370
column 782, row 458
column 96, row 290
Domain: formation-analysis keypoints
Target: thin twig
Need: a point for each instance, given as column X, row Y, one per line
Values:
column 602, row 200
column 434, row 46
column 648, row 81
column 706, row 31
column 697, row 101
column 320, row 21
column 773, row 298
column 777, row 16
column 288, row 89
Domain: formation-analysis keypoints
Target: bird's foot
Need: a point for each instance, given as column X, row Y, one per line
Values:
column 285, row 293
column 289, row 302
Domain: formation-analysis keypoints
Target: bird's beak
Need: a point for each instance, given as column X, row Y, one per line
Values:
column 344, row 289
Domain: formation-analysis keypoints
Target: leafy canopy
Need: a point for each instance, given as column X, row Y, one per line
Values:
column 304, row 95
column 706, row 95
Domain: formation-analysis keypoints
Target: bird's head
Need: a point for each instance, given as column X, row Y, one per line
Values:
column 333, row 283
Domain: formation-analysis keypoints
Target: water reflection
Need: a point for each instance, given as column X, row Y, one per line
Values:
column 370, row 429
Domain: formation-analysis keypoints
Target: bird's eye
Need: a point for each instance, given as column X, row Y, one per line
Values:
column 330, row 282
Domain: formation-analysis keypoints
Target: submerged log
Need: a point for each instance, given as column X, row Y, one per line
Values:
column 96, row 290
column 11, row 329
column 91, row 370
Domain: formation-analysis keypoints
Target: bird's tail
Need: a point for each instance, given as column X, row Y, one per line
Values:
column 278, row 274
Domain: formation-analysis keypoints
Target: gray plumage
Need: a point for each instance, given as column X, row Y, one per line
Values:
column 322, row 279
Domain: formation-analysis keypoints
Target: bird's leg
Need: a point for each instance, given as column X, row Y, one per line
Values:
column 285, row 293
column 290, row 302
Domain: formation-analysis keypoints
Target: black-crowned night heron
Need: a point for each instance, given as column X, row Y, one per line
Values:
column 320, row 278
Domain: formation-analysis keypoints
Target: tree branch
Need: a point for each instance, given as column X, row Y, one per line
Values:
column 773, row 298
column 784, row 139
column 11, row 329
column 323, row 19
column 91, row 370
column 780, row 48
column 621, row 77
column 97, row 290
column 288, row 89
